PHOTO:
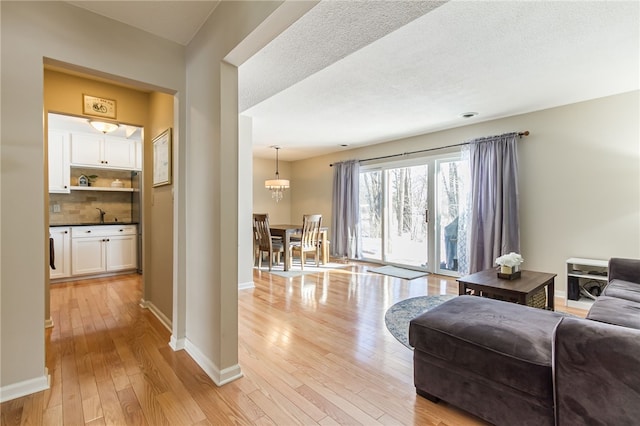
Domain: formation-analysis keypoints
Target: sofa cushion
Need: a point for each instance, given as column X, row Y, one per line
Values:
column 623, row 289
column 501, row 341
column 613, row 310
column 596, row 373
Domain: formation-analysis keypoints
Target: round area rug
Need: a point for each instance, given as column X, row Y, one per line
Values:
column 398, row 316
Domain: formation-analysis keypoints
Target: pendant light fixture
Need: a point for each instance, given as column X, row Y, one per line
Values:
column 277, row 185
column 104, row 126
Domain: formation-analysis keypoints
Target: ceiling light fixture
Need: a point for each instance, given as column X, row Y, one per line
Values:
column 468, row 114
column 277, row 185
column 104, row 126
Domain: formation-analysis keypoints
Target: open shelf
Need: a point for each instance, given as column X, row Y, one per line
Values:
column 580, row 272
column 102, row 188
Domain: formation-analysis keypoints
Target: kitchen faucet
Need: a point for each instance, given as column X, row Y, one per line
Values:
column 102, row 213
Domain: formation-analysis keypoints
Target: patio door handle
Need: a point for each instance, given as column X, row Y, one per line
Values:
column 426, row 216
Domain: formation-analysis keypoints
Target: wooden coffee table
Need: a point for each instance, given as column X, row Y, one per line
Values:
column 486, row 283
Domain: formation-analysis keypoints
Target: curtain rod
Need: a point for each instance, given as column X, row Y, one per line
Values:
column 521, row 134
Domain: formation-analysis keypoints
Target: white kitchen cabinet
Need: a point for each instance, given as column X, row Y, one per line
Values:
column 99, row 151
column 120, row 152
column 88, row 255
column 103, row 249
column 86, row 150
column 59, row 165
column 62, row 252
column 122, row 252
column 138, row 155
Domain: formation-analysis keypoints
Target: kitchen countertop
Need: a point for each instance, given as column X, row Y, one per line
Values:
column 92, row 224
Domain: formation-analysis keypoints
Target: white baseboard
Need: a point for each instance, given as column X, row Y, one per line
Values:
column 48, row 323
column 157, row 313
column 246, row 286
column 219, row 377
column 27, row 387
column 176, row 344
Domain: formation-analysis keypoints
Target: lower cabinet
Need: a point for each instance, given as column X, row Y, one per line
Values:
column 97, row 250
column 88, row 255
column 61, row 252
column 121, row 253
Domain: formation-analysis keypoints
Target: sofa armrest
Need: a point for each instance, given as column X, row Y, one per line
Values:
column 624, row 269
column 596, row 375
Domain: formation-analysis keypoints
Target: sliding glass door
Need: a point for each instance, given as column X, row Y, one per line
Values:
column 409, row 212
column 371, row 194
column 452, row 178
column 406, row 232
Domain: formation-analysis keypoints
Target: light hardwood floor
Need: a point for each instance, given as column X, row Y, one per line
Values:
column 313, row 349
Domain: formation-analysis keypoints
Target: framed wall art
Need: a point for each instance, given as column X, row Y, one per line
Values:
column 162, row 159
column 99, row 107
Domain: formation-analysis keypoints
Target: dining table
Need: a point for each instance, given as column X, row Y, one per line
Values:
column 286, row 231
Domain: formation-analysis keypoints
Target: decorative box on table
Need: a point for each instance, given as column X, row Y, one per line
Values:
column 509, row 272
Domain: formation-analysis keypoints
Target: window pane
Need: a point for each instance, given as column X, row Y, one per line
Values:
column 371, row 214
column 452, row 187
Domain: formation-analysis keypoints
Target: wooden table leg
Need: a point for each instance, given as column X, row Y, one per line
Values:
column 286, row 239
column 462, row 288
column 325, row 247
column 551, row 294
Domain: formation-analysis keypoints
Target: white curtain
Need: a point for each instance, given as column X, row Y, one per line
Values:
column 464, row 206
column 494, row 227
column 345, row 216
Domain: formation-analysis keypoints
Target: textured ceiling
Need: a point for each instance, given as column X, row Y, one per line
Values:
column 365, row 72
column 327, row 33
column 496, row 58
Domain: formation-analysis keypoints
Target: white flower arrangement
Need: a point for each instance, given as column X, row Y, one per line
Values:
column 511, row 260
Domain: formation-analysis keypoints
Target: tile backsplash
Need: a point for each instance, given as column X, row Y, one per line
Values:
column 81, row 206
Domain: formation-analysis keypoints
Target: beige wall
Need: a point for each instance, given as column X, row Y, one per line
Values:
column 31, row 32
column 158, row 269
column 579, row 179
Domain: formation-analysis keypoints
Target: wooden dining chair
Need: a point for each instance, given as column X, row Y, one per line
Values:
column 309, row 239
column 263, row 241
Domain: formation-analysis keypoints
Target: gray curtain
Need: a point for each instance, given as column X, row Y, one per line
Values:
column 494, row 224
column 345, row 216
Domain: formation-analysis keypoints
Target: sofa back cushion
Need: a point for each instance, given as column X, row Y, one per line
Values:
column 596, row 376
column 617, row 311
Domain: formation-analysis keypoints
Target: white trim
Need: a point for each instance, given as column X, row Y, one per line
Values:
column 219, row 377
column 246, row 286
column 176, row 344
column 91, row 276
column 26, row 387
column 156, row 312
column 48, row 323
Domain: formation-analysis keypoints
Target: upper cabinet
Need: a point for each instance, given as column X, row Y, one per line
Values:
column 59, row 167
column 98, row 151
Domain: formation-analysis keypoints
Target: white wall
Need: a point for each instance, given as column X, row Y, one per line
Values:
column 30, row 32
column 245, row 204
column 579, row 179
column 212, row 194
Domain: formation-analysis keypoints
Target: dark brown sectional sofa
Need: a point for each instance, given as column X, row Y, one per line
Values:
column 516, row 365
